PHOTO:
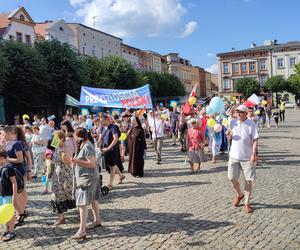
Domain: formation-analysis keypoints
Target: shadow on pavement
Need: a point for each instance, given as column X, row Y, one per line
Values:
column 272, row 206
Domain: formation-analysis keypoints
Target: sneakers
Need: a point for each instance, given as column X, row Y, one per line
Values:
column 248, row 209
column 237, row 200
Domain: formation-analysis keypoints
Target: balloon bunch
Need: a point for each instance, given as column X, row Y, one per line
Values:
column 216, row 105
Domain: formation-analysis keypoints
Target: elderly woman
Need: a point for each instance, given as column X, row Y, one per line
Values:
column 195, row 140
column 86, row 183
column 137, row 146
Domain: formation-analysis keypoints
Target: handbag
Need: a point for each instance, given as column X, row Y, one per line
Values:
column 84, row 180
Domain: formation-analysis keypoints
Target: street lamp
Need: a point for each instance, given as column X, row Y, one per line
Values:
column 94, row 22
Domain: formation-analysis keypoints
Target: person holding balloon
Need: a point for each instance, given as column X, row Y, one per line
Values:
column 8, row 196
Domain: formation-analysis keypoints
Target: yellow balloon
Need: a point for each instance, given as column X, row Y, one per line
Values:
column 123, row 137
column 173, row 104
column 264, row 102
column 6, row 213
column 211, row 122
column 163, row 117
column 257, row 112
column 192, row 100
column 25, row 116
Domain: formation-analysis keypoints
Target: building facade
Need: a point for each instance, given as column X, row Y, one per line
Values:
column 92, row 42
column 18, row 26
column 131, row 54
column 55, row 30
column 257, row 62
column 181, row 68
column 198, row 78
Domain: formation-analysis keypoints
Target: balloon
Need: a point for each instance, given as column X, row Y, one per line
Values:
column 264, row 102
column 211, row 122
column 6, row 213
column 25, row 116
column 218, row 128
column 209, row 110
column 257, row 112
column 173, row 104
column 88, row 123
column 163, row 116
column 233, row 98
column 192, row 100
column 225, row 122
column 217, row 104
column 123, row 137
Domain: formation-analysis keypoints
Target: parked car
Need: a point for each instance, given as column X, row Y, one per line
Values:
column 289, row 104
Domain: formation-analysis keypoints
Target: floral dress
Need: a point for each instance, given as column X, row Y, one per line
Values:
column 62, row 184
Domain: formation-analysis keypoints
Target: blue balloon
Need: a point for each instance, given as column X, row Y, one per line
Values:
column 209, row 110
column 217, row 104
column 88, row 123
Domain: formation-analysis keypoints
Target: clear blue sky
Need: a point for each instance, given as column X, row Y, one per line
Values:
column 212, row 26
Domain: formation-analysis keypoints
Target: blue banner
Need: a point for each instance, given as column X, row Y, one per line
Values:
column 116, row 98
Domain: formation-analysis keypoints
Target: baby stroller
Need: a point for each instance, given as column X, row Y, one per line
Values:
column 100, row 164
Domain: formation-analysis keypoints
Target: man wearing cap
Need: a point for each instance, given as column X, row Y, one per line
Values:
column 244, row 135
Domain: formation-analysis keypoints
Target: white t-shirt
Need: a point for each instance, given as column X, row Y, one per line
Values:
column 243, row 134
column 158, row 129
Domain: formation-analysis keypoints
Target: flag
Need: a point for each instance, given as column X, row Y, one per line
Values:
column 187, row 107
column 71, row 101
column 55, row 141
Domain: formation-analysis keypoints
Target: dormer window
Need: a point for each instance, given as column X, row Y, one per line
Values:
column 22, row 18
column 61, row 28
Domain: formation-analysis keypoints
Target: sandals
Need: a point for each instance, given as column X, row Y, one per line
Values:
column 60, row 222
column 92, row 225
column 8, row 236
column 21, row 218
column 122, row 179
column 237, row 200
column 78, row 236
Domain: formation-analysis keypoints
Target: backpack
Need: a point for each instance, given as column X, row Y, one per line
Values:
column 19, row 179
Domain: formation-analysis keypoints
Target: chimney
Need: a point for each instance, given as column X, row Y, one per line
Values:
column 253, row 45
column 232, row 49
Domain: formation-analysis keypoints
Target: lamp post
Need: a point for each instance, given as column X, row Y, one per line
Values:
column 94, row 22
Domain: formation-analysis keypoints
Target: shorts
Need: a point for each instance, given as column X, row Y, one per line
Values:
column 235, row 166
column 5, row 200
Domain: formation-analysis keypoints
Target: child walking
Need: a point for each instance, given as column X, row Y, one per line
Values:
column 49, row 168
column 8, row 192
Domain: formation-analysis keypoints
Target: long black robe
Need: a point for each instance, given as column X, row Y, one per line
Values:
column 136, row 145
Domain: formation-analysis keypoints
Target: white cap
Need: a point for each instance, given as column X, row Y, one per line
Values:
column 242, row 108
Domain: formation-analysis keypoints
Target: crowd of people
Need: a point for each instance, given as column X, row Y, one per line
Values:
column 72, row 154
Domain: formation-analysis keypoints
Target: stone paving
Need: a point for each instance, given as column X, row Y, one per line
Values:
column 171, row 209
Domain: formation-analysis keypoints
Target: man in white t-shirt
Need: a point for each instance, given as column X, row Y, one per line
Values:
column 244, row 135
column 157, row 127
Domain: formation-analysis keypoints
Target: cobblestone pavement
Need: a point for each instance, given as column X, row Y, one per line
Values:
column 172, row 209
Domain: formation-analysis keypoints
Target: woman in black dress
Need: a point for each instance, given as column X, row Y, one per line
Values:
column 137, row 147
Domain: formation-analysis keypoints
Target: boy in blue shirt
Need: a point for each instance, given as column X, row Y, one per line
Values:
column 8, row 191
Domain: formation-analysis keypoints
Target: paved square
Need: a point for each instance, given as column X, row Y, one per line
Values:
column 172, row 209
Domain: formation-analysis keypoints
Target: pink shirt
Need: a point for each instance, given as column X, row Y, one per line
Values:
column 195, row 138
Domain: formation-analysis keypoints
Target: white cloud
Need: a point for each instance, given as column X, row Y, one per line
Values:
column 129, row 18
column 209, row 54
column 213, row 69
column 190, row 27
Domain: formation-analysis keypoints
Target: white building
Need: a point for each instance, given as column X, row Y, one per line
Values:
column 17, row 25
column 131, row 54
column 55, row 30
column 89, row 41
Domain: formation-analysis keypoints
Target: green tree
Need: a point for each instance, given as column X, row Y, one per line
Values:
column 116, row 72
column 276, row 84
column 162, row 85
column 3, row 70
column 247, row 86
column 294, row 81
column 66, row 71
column 24, row 77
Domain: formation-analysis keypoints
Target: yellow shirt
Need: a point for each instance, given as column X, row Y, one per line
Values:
column 282, row 106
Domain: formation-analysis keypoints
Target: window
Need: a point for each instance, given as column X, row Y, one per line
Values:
column 83, row 34
column 93, row 52
column 226, row 83
column 83, row 51
column 262, row 79
column 244, row 67
column 61, row 28
column 262, row 65
column 19, row 36
column 292, row 62
column 11, row 37
column 235, row 67
column 225, row 68
column 280, row 63
column 28, row 39
column 22, row 18
column 252, row 66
